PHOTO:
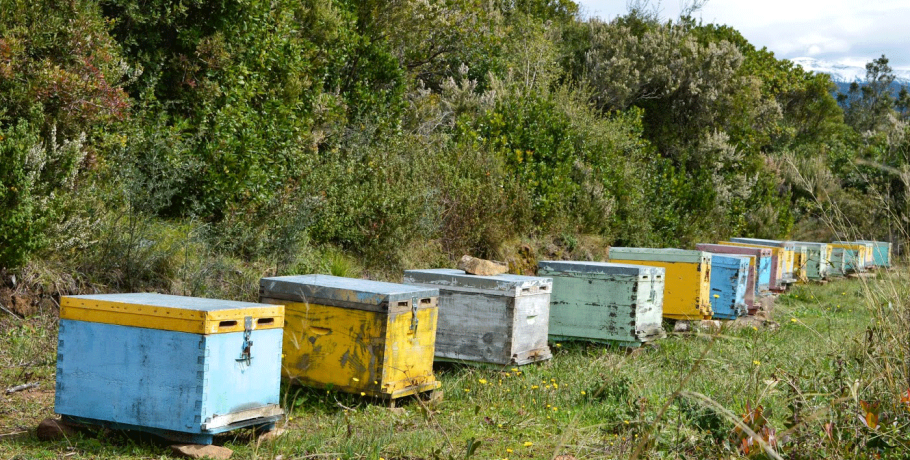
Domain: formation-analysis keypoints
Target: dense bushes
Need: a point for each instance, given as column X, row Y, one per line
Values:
column 270, row 134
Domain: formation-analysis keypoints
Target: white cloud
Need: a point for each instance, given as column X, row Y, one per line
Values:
column 834, row 30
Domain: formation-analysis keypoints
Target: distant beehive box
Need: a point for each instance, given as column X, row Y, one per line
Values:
column 183, row 368
column 854, row 255
column 499, row 319
column 866, row 260
column 817, row 259
column 355, row 335
column 789, row 273
column 759, row 268
column 881, row 253
column 800, row 263
column 837, row 260
column 729, row 283
column 777, row 282
column 687, row 282
column 605, row 302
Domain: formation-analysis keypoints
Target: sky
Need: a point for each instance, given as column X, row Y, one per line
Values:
column 849, row 32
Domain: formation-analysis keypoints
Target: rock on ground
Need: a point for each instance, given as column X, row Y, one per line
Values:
column 481, row 267
column 52, row 429
column 201, row 451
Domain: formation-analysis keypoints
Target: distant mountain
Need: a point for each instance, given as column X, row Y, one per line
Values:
column 843, row 74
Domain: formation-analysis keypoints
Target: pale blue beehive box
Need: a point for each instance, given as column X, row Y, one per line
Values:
column 729, row 274
column 182, row 368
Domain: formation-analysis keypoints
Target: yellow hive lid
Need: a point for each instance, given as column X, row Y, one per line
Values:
column 171, row 312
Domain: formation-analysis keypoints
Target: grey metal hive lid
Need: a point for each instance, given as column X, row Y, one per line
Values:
column 783, row 243
column 727, row 249
column 659, row 254
column 172, row 301
column 449, row 277
column 605, row 268
column 305, row 288
column 809, row 243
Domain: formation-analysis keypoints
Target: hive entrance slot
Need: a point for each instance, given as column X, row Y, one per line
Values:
column 425, row 301
column 230, row 323
column 265, row 321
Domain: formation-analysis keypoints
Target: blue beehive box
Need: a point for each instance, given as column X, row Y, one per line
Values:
column 728, row 285
column 183, row 368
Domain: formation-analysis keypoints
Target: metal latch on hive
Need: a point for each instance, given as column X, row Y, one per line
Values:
column 414, row 321
column 246, row 353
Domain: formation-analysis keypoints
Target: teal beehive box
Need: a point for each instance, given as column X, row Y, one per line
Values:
column 605, row 302
column 729, row 276
column 183, row 368
column 817, row 259
column 881, row 253
column 837, row 261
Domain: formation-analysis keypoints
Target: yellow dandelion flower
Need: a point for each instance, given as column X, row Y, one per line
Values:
column 514, row 369
column 792, row 320
column 355, row 379
column 756, row 362
column 626, row 422
column 548, row 405
column 509, row 450
column 558, row 345
column 467, row 390
column 482, row 381
column 528, row 443
column 534, row 387
column 362, row 394
column 583, row 393
column 556, row 385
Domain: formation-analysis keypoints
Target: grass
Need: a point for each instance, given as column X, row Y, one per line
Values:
column 831, row 352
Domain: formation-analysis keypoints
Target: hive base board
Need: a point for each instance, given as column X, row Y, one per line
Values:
column 407, row 391
column 619, row 343
column 264, row 424
column 520, row 359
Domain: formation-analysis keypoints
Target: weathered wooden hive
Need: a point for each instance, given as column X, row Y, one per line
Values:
column 817, row 259
column 183, row 368
column 865, row 258
column 788, row 256
column 499, row 319
column 837, row 263
column 729, row 283
column 356, row 335
column 759, row 268
column 605, row 302
column 881, row 253
column 687, row 284
column 854, row 256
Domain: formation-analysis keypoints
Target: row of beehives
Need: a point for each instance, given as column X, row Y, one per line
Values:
column 188, row 368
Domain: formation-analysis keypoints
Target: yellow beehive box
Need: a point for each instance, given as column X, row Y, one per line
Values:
column 355, row 335
column 687, row 282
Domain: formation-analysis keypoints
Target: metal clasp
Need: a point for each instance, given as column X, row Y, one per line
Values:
column 414, row 321
column 246, row 353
